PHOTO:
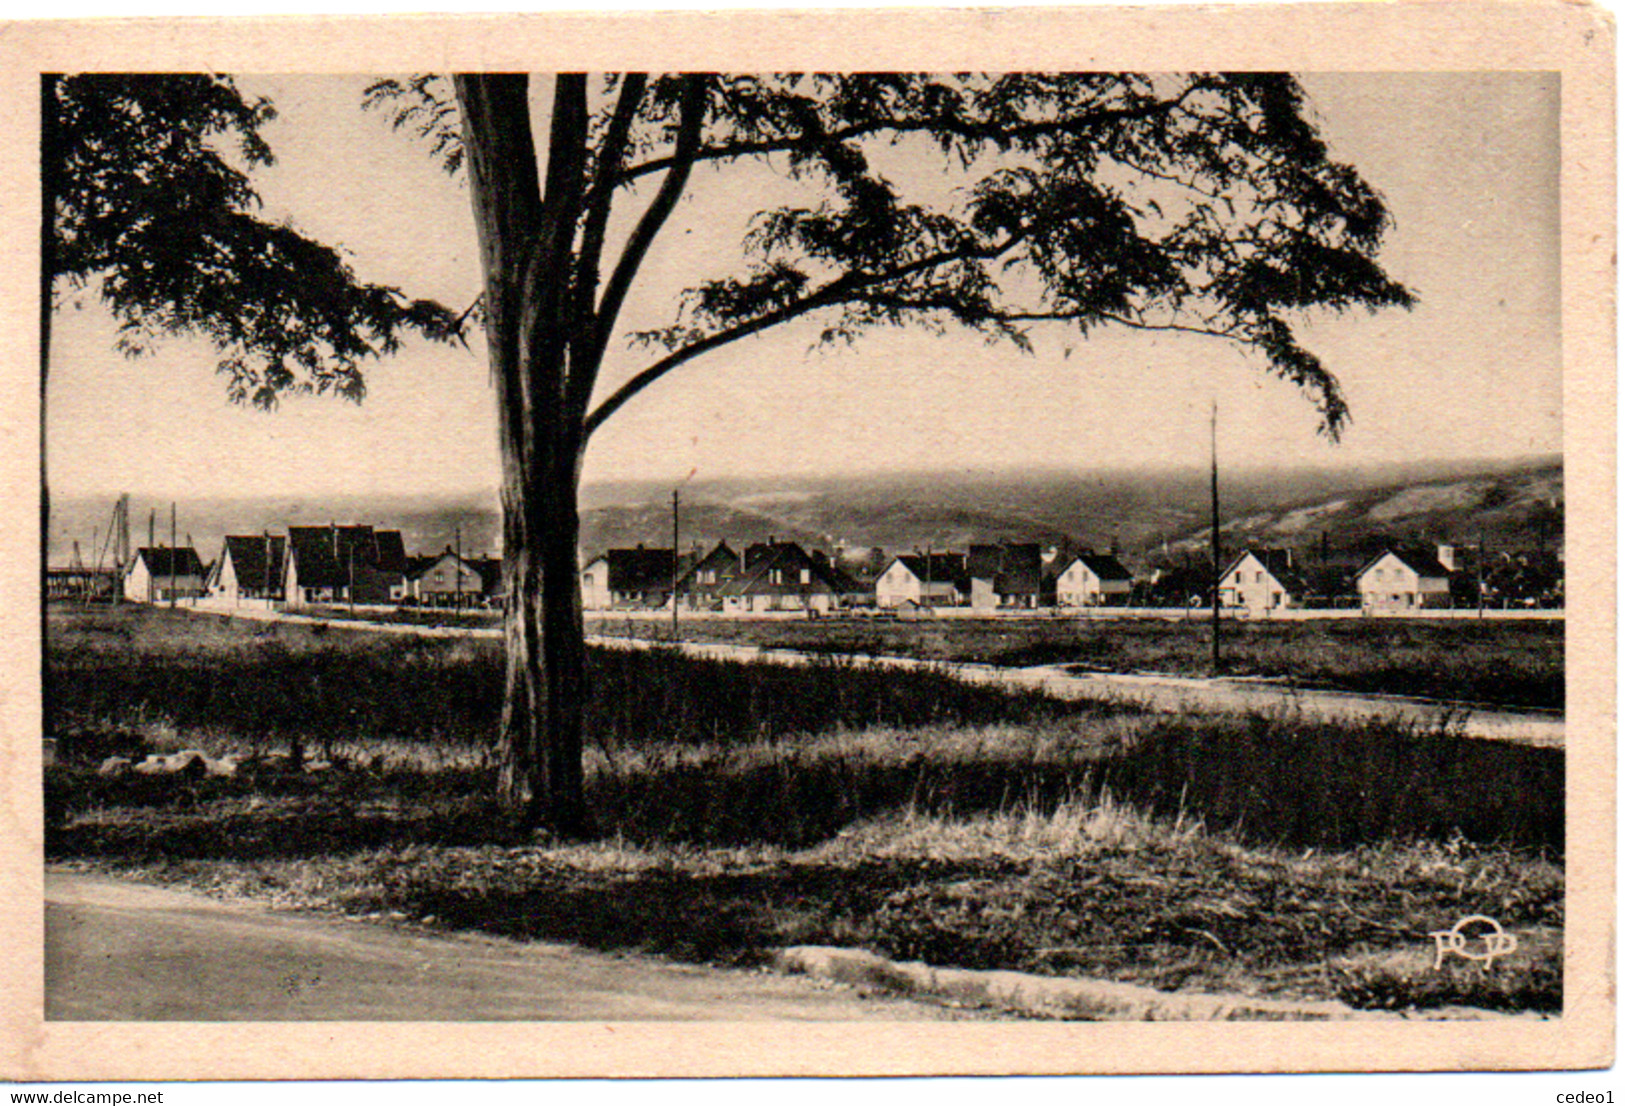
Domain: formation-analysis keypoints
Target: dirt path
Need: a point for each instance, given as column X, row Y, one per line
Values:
column 117, row 951
column 1162, row 693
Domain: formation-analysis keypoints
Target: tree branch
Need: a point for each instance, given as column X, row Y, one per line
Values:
column 840, row 290
column 600, row 198
column 977, row 315
column 962, row 128
column 692, row 117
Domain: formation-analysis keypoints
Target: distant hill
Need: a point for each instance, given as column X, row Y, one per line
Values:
column 1515, row 504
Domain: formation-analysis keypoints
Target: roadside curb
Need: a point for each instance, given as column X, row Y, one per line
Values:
column 1048, row 996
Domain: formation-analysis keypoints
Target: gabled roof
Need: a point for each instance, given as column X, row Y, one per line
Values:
column 1103, row 565
column 324, row 556
column 722, row 559
column 1014, row 568
column 417, row 566
column 257, row 559
column 792, row 559
column 311, row 550
column 1423, row 564
column 639, row 569
column 166, row 561
column 1277, row 562
column 937, row 567
column 390, row 551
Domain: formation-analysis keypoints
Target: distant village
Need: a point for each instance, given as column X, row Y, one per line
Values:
column 358, row 565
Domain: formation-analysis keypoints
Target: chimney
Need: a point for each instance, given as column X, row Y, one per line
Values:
column 1447, row 557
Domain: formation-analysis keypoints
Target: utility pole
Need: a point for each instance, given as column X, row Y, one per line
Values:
column 152, row 546
column 1218, row 566
column 457, row 536
column 1480, row 572
column 676, row 546
column 173, row 554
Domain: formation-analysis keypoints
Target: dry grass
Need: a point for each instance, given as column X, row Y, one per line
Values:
column 1506, row 663
column 744, row 807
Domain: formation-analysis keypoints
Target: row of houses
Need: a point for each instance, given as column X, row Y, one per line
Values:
column 777, row 576
column 783, row 576
column 1264, row 580
column 331, row 565
column 314, row 566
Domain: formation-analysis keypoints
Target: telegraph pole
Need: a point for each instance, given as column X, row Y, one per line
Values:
column 173, row 554
column 1218, row 566
column 458, row 537
column 152, row 543
column 676, row 547
column 1481, row 572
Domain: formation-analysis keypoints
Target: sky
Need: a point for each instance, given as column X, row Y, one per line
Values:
column 1467, row 162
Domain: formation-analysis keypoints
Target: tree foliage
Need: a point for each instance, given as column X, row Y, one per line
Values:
column 1200, row 203
column 151, row 205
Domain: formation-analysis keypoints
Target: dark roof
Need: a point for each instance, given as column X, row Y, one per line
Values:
column 249, row 559
column 639, row 569
column 390, row 551
column 1279, row 564
column 1014, row 568
column 490, row 570
column 165, row 561
column 790, row 557
column 417, row 566
column 937, row 567
column 325, row 555
column 1103, row 565
column 1423, row 564
column 312, row 551
column 722, row 559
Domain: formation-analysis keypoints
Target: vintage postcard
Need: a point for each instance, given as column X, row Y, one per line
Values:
column 865, row 543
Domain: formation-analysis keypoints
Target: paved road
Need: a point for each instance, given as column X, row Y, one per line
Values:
column 1169, row 693
column 117, row 951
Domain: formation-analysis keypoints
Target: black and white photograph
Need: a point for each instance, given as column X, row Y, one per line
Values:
column 1013, row 550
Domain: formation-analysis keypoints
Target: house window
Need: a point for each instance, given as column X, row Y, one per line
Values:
column 1258, row 577
column 806, row 576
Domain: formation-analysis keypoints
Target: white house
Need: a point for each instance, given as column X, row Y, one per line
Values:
column 933, row 580
column 595, row 584
column 445, row 579
column 250, row 567
column 1399, row 581
column 1260, row 581
column 1092, row 580
column 159, row 575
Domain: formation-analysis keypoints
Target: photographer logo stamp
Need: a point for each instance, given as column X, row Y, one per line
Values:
column 1475, row 937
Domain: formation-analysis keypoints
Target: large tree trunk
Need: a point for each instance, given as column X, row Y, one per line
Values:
column 540, row 742
column 525, row 242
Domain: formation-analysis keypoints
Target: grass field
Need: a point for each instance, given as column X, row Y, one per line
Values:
column 743, row 807
column 1507, row 663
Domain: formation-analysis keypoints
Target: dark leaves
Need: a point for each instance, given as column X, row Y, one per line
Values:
column 153, row 210
column 1200, row 202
